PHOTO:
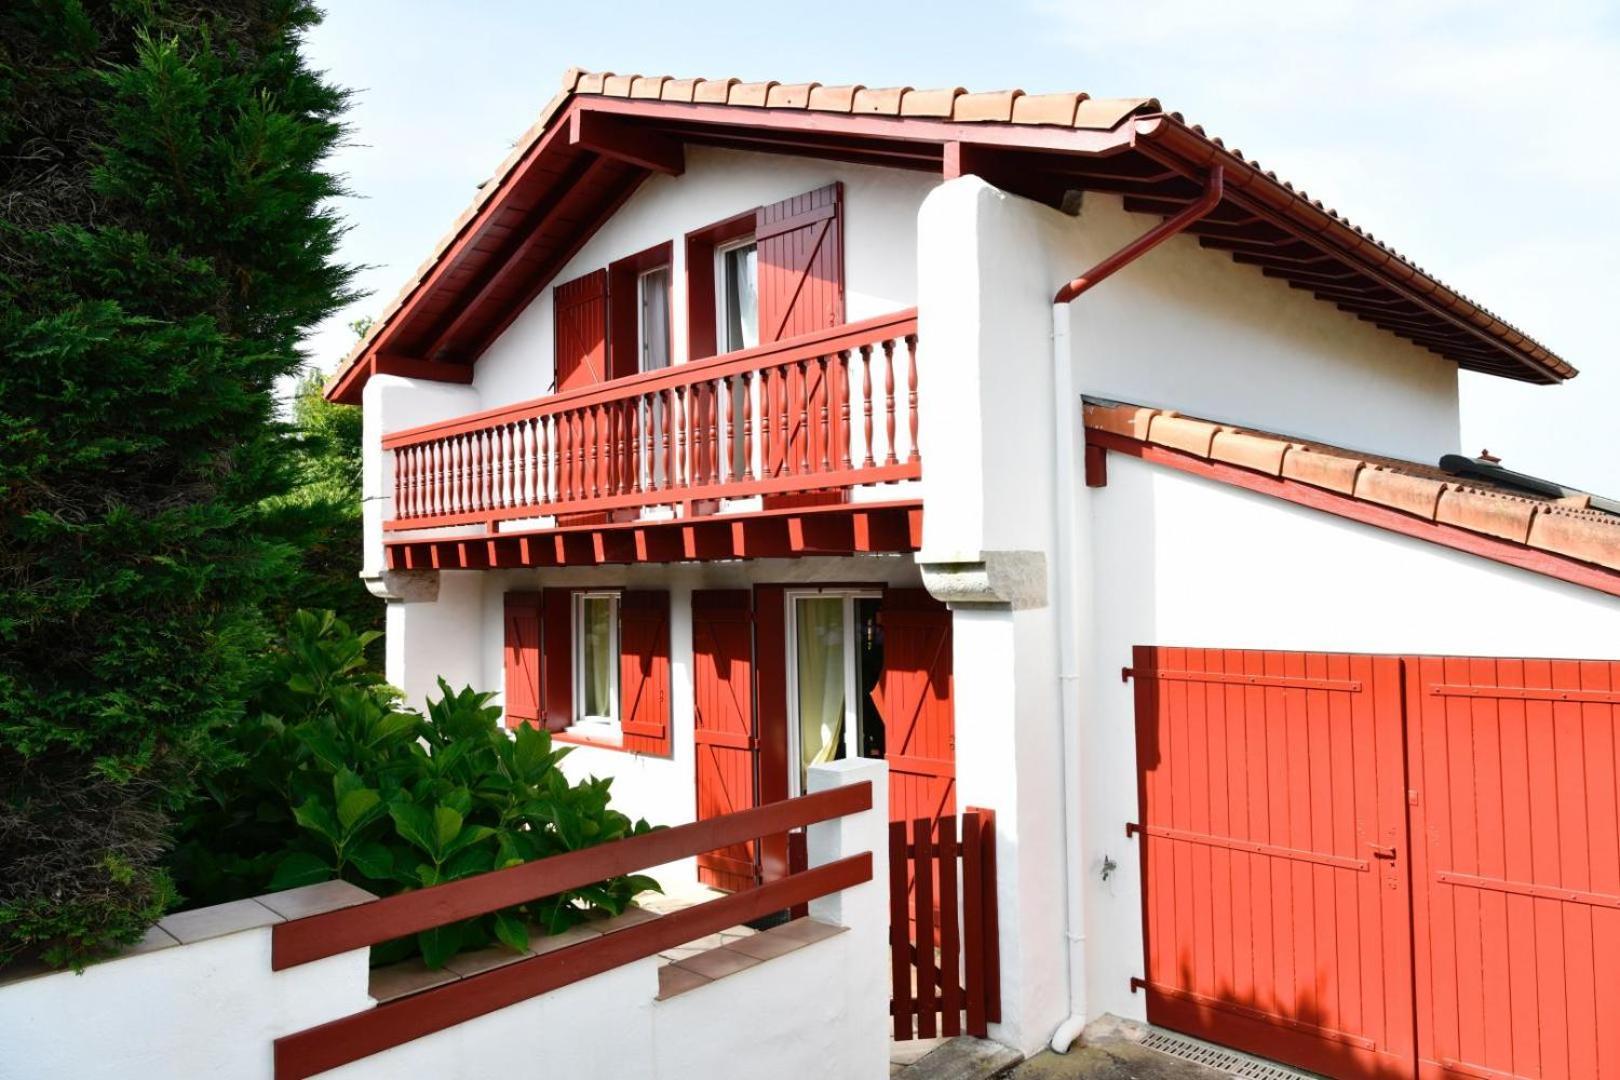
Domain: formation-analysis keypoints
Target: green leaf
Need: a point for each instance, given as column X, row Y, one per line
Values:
column 316, row 816
column 469, row 862
column 511, row 932
column 299, row 868
column 372, row 859
column 358, row 808
column 414, row 824
column 446, row 825
column 468, row 836
column 439, row 944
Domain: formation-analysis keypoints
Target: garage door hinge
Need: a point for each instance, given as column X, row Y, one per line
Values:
column 1138, row 983
column 1131, row 829
column 1125, row 674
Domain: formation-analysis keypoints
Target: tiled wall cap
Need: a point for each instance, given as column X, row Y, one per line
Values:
column 1056, row 109
column 885, row 102
column 1577, row 535
column 750, row 95
column 1321, row 470
column 1250, row 451
column 789, row 96
column 1182, row 433
column 833, row 98
column 930, row 103
column 993, row 107
column 315, row 899
column 1416, row 495
column 1126, row 420
column 1494, row 515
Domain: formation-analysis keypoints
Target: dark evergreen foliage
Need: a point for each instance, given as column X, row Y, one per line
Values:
column 165, row 239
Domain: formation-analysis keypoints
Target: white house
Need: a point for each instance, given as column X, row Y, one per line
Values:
column 1080, row 468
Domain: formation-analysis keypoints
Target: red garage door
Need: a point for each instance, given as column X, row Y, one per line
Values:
column 1287, row 913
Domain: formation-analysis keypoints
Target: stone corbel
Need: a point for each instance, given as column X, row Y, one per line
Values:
column 404, row 586
column 1008, row 579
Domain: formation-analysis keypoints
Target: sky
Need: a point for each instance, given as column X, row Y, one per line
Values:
column 1474, row 136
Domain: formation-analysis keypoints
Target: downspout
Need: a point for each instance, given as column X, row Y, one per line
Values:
column 1063, row 400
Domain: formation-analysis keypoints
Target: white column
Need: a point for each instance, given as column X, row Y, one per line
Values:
column 864, row 909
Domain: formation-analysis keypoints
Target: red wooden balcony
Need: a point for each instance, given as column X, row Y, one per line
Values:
column 797, row 422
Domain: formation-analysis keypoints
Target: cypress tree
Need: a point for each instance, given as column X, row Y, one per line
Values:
column 166, row 237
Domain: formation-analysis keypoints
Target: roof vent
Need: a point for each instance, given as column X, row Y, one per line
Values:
column 1489, row 458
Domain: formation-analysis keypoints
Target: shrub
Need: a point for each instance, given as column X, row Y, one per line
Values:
column 166, row 239
column 338, row 780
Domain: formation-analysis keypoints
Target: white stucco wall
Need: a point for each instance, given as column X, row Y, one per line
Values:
column 880, row 248
column 1184, row 561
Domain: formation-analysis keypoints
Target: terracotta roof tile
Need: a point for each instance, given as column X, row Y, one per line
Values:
column 713, row 91
column 995, row 106
column 794, row 96
column 833, row 98
column 935, row 104
column 648, row 87
column 750, row 94
column 1566, row 526
column 679, row 89
column 884, row 102
column 1054, row 109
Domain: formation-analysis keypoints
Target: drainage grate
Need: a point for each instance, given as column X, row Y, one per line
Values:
column 1218, row 1057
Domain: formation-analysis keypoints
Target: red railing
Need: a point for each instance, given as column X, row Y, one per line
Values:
column 351, row 1038
column 814, row 413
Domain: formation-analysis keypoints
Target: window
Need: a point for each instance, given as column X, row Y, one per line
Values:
column 835, row 657
column 737, row 315
column 596, row 659
column 652, row 290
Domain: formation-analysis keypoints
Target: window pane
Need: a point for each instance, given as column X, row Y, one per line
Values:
column 655, row 319
column 819, row 631
column 596, row 656
column 741, row 298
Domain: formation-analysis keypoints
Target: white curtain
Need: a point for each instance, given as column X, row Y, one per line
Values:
column 820, row 636
column 655, row 319
column 596, row 613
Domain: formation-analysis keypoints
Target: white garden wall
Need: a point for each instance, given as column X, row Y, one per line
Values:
column 213, row 1008
column 1181, row 560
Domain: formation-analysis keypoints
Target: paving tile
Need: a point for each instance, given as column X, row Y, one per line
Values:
column 406, row 977
column 200, row 924
column 769, row 944
column 718, row 963
column 541, row 943
column 486, row 959
column 805, row 931
column 732, row 933
column 680, row 952
column 315, row 899
column 674, row 980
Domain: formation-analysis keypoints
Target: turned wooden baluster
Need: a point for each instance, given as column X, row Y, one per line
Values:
column 764, row 424
column 888, row 400
column 712, row 392
column 728, row 467
column 683, row 438
column 915, row 456
column 802, row 457
column 748, row 425
column 866, row 402
column 826, row 415
column 844, row 433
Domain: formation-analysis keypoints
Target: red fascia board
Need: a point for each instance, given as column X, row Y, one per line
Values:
column 1166, row 139
column 1507, row 552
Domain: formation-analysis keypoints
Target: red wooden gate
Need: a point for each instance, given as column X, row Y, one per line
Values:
column 723, row 729
column 947, row 961
column 1516, row 864
column 1271, row 785
column 1371, row 881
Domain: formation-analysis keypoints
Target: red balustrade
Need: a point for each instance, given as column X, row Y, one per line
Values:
column 771, row 420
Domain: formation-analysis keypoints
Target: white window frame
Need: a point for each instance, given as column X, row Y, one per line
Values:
column 852, row 672
column 642, row 338
column 598, row 727
column 722, row 323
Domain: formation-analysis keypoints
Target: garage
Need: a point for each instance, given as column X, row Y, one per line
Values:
column 1371, row 865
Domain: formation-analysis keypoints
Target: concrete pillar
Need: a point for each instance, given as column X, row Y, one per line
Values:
column 864, row 909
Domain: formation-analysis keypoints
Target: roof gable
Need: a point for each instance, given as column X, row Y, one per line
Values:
column 598, row 139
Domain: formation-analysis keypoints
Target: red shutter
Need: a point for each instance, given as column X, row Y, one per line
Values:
column 522, row 658
column 723, row 731
column 580, row 313
column 771, row 708
column 558, row 658
column 801, row 290
column 801, row 264
column 914, row 698
column 644, row 670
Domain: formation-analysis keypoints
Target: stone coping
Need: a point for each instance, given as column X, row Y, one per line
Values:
column 740, row 954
